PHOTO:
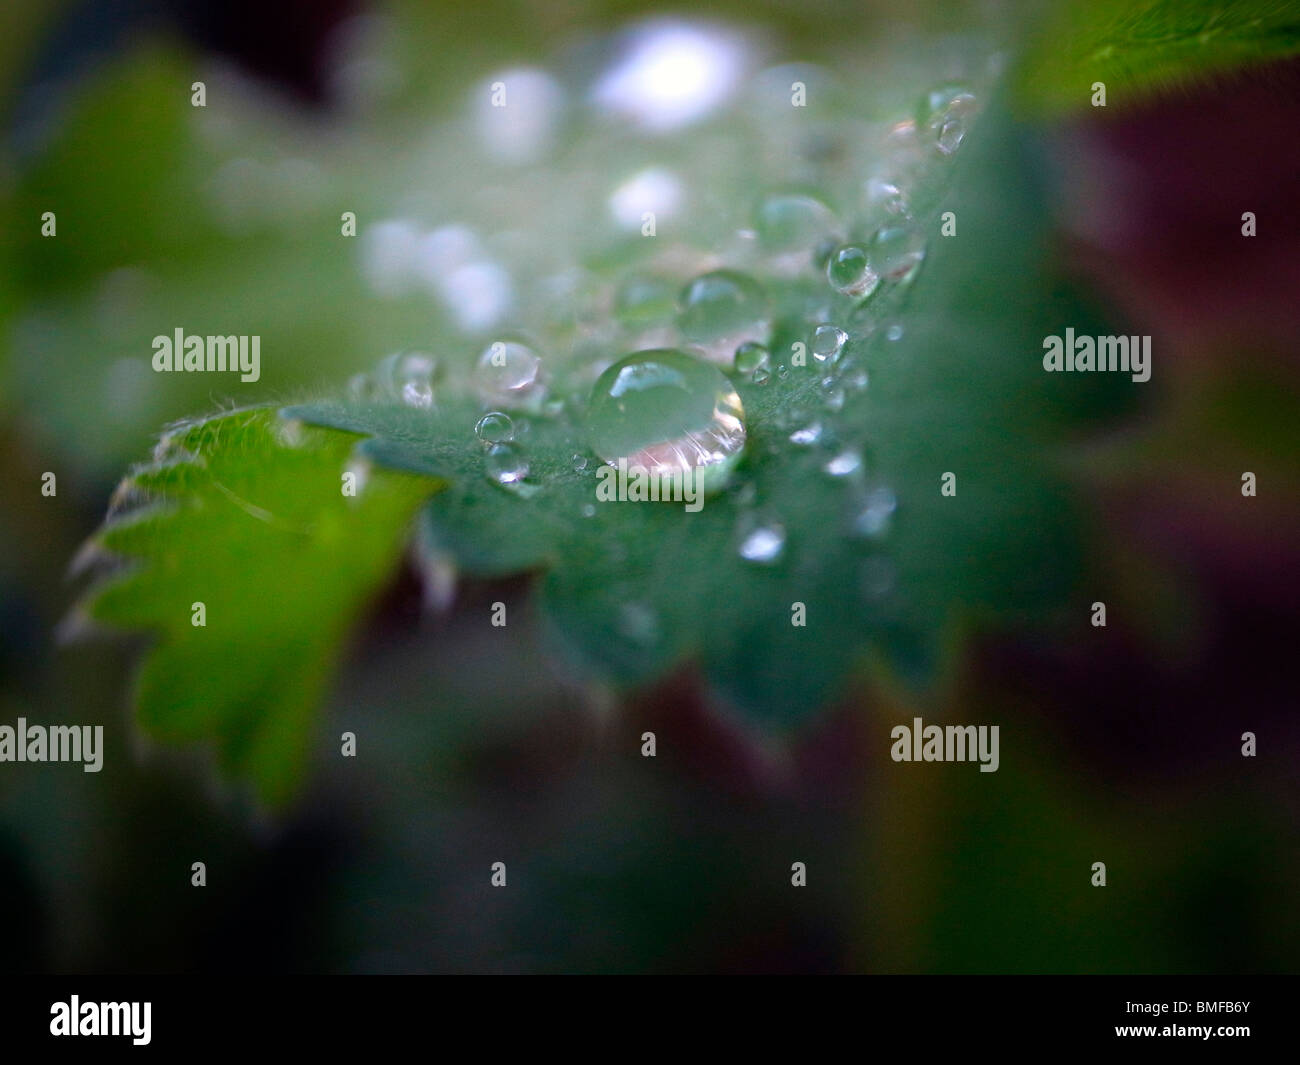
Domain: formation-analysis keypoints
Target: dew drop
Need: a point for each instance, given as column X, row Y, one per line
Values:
column 762, row 542
column 751, row 358
column 667, row 412
column 894, row 332
column 808, row 435
column 848, row 271
column 945, row 114
column 884, row 197
column 579, row 463
column 506, row 464
column 509, row 373
column 495, row 428
column 721, row 310
column 846, row 462
column 896, row 252
column 827, row 342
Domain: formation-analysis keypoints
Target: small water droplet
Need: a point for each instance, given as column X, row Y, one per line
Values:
column 827, row 342
column 783, row 371
column 588, row 510
column 848, row 272
column 884, row 197
column 945, row 114
column 669, row 413
column 896, row 252
column 846, row 462
column 495, row 428
column 721, row 310
column 509, row 373
column 761, row 541
column 761, row 376
column 579, row 463
column 809, row 434
column 506, row 464
column 894, row 332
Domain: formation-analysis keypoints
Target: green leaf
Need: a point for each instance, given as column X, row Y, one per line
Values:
column 247, row 515
column 1139, row 48
column 633, row 589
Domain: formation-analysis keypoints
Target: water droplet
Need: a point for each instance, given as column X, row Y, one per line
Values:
column 884, row 197
column 579, row 463
column 588, row 510
column 495, row 428
column 509, row 373
column 761, row 541
column 846, row 462
column 896, row 252
column 809, row 434
column 894, row 332
column 827, row 342
column 792, row 222
column 417, row 394
column 722, row 310
column 751, row 357
column 667, row 412
column 506, row 464
column 783, row 371
column 945, row 114
column 761, row 376
column 848, row 272
column 875, row 512
column 835, row 399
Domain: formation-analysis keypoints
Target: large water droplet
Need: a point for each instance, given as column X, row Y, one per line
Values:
column 722, row 310
column 849, row 272
column 667, row 412
column 509, row 373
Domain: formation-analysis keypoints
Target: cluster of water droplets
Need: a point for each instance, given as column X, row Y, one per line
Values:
column 647, row 340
